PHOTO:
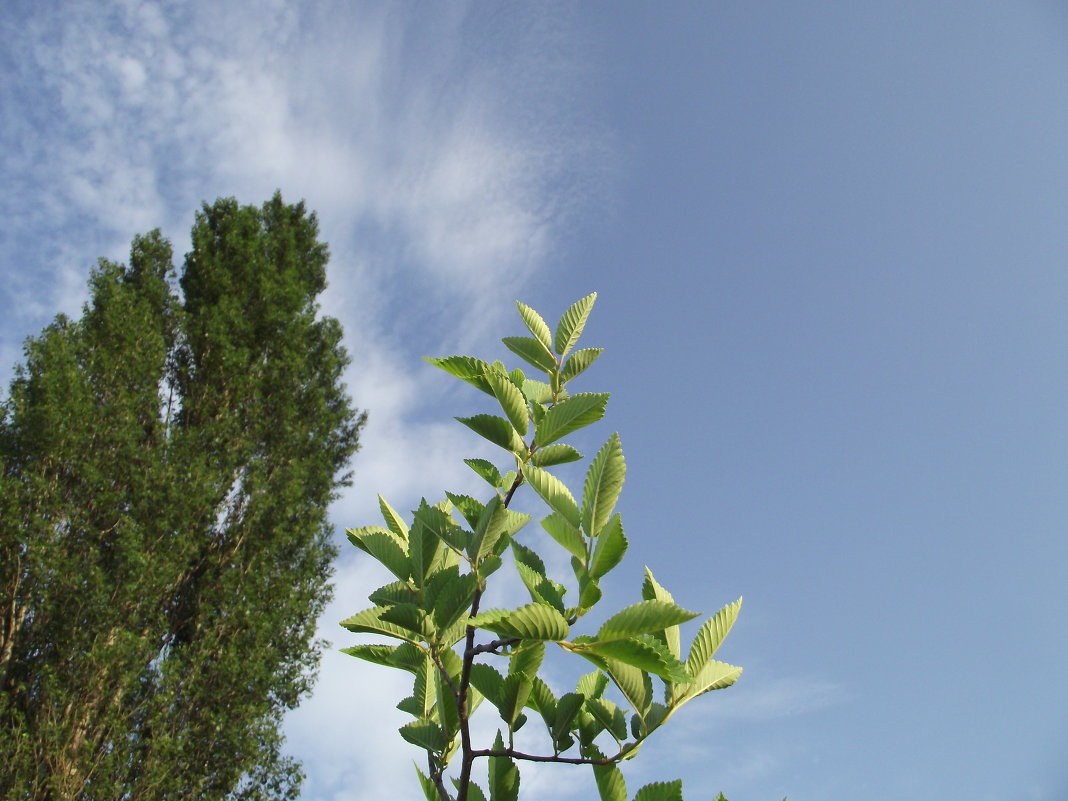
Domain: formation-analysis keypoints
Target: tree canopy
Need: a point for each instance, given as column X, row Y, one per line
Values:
column 167, row 463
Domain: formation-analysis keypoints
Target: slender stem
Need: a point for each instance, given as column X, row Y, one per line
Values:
column 511, row 752
column 470, row 652
column 465, row 685
column 435, row 771
column 494, row 647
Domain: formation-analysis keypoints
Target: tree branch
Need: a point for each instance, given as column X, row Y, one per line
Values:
column 511, row 752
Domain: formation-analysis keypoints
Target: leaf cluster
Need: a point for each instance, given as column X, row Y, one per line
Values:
column 462, row 656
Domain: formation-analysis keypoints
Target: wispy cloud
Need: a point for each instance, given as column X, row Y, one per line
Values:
column 443, row 148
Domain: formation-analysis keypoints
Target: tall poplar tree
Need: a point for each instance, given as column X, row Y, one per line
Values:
column 168, row 460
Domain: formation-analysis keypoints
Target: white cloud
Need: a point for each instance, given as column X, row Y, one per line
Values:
column 440, row 148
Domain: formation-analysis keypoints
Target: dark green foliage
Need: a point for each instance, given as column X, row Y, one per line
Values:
column 164, row 547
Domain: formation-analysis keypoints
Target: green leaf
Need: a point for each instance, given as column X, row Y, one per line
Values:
column 512, row 697
column 497, row 521
column 711, row 635
column 466, row 368
column 485, row 470
column 425, row 734
column 396, row 592
column 430, row 792
column 532, row 571
column 423, row 544
column 610, row 783
column 569, row 415
column 503, row 775
column 447, row 710
column 487, row 681
column 566, row 708
column 566, row 535
column 608, row 715
column 407, row 616
column 593, row 684
column 541, row 589
column 532, row 352
column 660, row 791
column 393, row 520
column 497, row 430
column 511, row 399
column 604, row 481
column 453, row 600
column 385, row 548
column 422, row 689
column 642, row 617
column 571, row 324
column 530, row 622
column 470, row 508
column 370, row 621
column 610, row 548
column 652, row 591
column 589, row 589
column 713, row 676
column 557, row 453
column 579, row 361
column 646, row 653
column 441, row 525
column 537, row 391
column 526, row 658
column 634, row 683
column 554, row 492
column 536, row 325
column 379, row 654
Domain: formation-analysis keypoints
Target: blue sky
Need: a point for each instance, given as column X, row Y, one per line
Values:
column 829, row 245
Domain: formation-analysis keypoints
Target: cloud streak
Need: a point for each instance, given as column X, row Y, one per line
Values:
column 443, row 149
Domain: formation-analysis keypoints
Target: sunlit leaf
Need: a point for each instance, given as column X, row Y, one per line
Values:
column 536, row 325
column 569, row 415
column 512, row 697
column 660, row 791
column 571, row 324
column 407, row 616
column 503, row 775
column 430, row 792
column 379, row 654
column 578, row 362
column 611, row 785
column 486, row 470
column 384, row 547
column 470, row 508
column 566, row 535
column 537, row 391
column 610, row 548
column 531, row 351
column 711, row 635
column 642, row 617
column 526, row 658
column 511, row 399
column 609, row 715
column 370, row 621
column 604, row 481
column 557, row 453
column 393, row 520
column 530, row 622
column 497, row 430
column 466, row 368
column 652, row 591
column 425, row 734
column 713, row 676
column 554, row 492
column 644, row 652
